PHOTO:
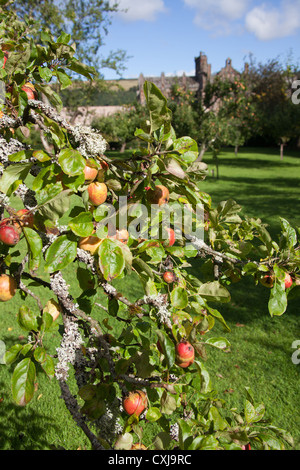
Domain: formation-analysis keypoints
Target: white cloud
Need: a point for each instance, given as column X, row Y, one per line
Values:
column 218, row 15
column 268, row 22
column 146, row 10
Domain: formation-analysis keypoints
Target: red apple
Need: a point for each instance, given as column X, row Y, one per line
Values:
column 90, row 173
column 169, row 277
column 135, row 403
column 159, row 195
column 288, row 281
column 97, row 193
column 30, row 91
column 8, row 287
column 185, row 354
column 9, row 235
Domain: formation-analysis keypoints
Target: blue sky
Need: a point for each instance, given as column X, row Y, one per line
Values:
column 166, row 35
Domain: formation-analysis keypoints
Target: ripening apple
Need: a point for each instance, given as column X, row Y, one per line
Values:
column 135, row 403
column 288, row 281
column 5, row 58
column 159, row 195
column 8, row 287
column 97, row 193
column 267, row 280
column 171, row 237
column 169, row 277
column 26, row 218
column 9, row 235
column 138, row 446
column 121, row 235
column 185, row 354
column 90, row 173
column 29, row 90
column 246, row 447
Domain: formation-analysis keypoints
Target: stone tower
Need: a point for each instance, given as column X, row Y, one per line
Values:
column 202, row 71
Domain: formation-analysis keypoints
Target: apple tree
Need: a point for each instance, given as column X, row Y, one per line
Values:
column 137, row 363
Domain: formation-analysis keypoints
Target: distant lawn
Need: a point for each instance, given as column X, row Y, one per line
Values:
column 260, row 354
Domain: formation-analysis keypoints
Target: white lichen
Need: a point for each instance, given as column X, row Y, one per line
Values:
column 66, row 353
column 90, row 142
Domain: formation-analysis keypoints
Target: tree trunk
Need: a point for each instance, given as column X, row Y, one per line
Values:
column 236, row 150
column 281, row 151
column 123, row 147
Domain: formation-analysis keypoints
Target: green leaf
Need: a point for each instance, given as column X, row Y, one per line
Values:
column 160, row 114
column 153, row 414
column 61, row 253
column 168, row 403
column 71, row 161
column 167, row 346
column 13, row 353
column 253, row 414
column 220, row 343
column 184, row 432
column 82, row 224
column 214, row 291
column 179, row 298
column 206, row 385
column 12, row 173
column 187, row 147
column 52, row 96
column 64, row 79
column 27, row 319
column 278, row 299
column 35, row 246
column 289, row 235
column 23, row 379
column 111, row 259
column 54, row 202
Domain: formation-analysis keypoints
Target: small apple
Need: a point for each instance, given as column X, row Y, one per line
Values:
column 267, row 280
column 246, row 447
column 8, row 287
column 138, row 446
column 171, row 237
column 90, row 173
column 26, row 218
column 288, row 281
column 90, row 243
column 169, row 277
column 135, row 403
column 30, row 91
column 5, row 58
column 97, row 193
column 159, row 195
column 9, row 235
column 185, row 354
column 121, row 235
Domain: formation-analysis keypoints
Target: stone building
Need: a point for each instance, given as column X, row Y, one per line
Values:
column 195, row 83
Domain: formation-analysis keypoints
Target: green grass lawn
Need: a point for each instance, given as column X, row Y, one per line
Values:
column 261, row 347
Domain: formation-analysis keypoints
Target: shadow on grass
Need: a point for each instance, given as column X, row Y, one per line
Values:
column 22, row 428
